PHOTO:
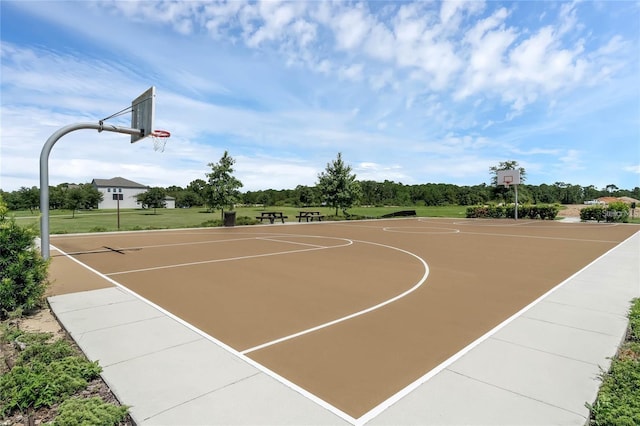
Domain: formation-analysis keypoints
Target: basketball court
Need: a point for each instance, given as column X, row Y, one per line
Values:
column 352, row 313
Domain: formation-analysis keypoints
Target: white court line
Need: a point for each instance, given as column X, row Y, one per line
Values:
column 294, row 242
column 321, row 402
column 539, row 237
column 420, row 230
column 229, row 259
column 376, row 411
column 355, row 314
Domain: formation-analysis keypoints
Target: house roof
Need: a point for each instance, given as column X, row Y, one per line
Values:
column 117, row 181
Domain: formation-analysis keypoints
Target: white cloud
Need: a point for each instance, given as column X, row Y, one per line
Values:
column 351, row 26
column 439, row 87
column 633, row 169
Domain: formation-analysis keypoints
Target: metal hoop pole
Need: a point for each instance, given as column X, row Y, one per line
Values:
column 44, row 173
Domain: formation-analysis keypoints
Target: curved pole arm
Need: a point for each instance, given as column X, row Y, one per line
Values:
column 44, row 172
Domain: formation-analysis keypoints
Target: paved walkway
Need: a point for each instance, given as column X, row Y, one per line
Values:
column 538, row 367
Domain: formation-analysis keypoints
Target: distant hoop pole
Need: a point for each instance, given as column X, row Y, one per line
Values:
column 44, row 172
column 510, row 177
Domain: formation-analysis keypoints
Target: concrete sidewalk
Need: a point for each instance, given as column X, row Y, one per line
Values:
column 539, row 367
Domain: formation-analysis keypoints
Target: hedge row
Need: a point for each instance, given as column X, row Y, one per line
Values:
column 614, row 212
column 538, row 211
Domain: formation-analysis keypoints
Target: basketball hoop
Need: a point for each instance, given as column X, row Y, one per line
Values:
column 507, row 180
column 159, row 139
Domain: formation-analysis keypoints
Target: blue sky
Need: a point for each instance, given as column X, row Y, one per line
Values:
column 414, row 92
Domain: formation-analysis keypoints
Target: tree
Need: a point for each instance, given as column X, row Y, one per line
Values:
column 187, row 199
column 222, row 186
column 152, row 198
column 29, row 198
column 74, row 199
column 93, row 197
column 337, row 186
column 611, row 188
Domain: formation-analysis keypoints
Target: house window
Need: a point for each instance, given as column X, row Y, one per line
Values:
column 119, row 189
column 108, row 189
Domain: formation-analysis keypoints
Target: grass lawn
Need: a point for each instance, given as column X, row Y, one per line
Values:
column 63, row 222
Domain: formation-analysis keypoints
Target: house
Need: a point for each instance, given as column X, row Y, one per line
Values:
column 169, row 202
column 120, row 191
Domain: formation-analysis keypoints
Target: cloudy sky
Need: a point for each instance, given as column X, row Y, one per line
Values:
column 414, row 92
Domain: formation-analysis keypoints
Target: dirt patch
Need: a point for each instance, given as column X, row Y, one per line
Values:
column 570, row 210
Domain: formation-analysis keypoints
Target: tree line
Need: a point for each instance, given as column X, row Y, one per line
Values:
column 336, row 187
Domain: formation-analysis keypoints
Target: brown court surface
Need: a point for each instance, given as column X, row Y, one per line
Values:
column 249, row 287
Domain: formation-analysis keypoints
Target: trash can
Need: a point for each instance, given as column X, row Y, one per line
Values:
column 229, row 218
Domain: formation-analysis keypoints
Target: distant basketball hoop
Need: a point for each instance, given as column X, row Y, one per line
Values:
column 508, row 178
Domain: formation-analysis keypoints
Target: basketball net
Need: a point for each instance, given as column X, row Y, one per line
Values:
column 160, row 138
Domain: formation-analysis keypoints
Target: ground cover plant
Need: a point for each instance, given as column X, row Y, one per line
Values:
column 36, row 371
column 40, row 373
column 618, row 401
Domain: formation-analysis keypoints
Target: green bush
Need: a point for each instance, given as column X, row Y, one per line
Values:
column 23, row 272
column 592, row 213
column 617, row 211
column 246, row 220
column 212, row 223
column 89, row 412
column 540, row 211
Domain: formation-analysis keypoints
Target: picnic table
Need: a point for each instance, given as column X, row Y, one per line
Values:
column 271, row 216
column 309, row 216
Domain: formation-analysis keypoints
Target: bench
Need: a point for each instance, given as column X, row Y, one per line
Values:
column 310, row 216
column 271, row 217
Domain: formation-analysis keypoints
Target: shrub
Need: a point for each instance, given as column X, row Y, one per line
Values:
column 592, row 213
column 89, row 412
column 246, row 220
column 211, row 223
column 540, row 211
column 23, row 272
column 617, row 211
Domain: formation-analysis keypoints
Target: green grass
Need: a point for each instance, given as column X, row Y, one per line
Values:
column 62, row 222
column 618, row 401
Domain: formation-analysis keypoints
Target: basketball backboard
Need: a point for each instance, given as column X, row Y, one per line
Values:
column 142, row 113
column 508, row 177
